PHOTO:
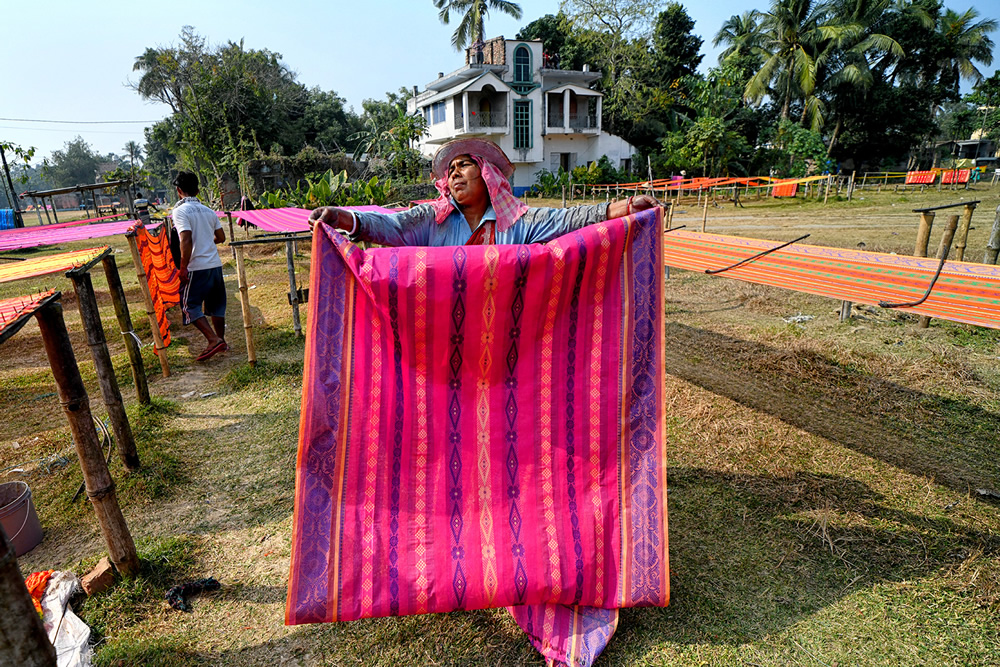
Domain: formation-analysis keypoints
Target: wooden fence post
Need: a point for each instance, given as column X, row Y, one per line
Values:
column 962, row 235
column 293, row 293
column 154, row 324
column 125, row 325
column 22, row 637
column 993, row 245
column 923, row 234
column 76, row 405
column 946, row 239
column 241, row 277
column 704, row 216
column 94, row 329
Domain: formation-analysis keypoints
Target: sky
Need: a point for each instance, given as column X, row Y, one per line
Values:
column 66, row 60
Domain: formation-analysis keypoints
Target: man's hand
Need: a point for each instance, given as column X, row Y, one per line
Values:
column 631, row 205
column 182, row 273
column 335, row 217
column 643, row 202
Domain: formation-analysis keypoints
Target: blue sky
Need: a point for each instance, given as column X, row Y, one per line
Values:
column 69, row 60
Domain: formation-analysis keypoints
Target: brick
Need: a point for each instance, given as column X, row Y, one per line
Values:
column 100, row 578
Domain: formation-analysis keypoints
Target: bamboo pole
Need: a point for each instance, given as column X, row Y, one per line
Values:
column 232, row 234
column 22, row 635
column 125, row 325
column 293, row 292
column 704, row 216
column 154, row 324
column 923, row 234
column 91, row 317
column 993, row 245
column 826, row 189
column 943, row 248
column 962, row 235
column 845, row 310
column 241, row 276
column 76, row 405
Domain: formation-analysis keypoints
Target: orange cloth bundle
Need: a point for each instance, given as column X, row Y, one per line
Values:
column 161, row 274
column 36, row 583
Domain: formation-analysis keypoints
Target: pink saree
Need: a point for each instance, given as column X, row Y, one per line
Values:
column 482, row 426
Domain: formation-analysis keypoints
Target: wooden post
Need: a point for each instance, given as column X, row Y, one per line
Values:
column 943, row 248
column 845, row 310
column 91, row 317
column 293, row 293
column 923, row 233
column 962, row 236
column 55, row 214
column 232, row 234
column 76, row 405
column 241, row 276
column 993, row 245
column 704, row 216
column 154, row 324
column 826, row 190
column 125, row 326
column 850, row 187
column 37, row 212
column 564, row 196
column 22, row 636
column 571, row 190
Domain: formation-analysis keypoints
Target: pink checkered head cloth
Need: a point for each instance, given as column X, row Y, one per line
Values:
column 507, row 207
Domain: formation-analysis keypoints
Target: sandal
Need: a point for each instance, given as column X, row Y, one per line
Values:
column 210, row 352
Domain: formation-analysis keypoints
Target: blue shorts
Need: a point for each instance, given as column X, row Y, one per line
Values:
column 203, row 294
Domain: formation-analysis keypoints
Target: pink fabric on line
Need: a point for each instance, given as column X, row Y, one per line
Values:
column 288, row 219
column 35, row 228
column 507, row 207
column 483, row 426
column 40, row 236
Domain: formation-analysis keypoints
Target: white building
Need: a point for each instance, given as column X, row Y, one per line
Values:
column 542, row 118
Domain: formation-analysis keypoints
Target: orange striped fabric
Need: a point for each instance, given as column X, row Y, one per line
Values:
column 965, row 292
column 12, row 310
column 786, row 189
column 920, row 177
column 41, row 266
column 161, row 274
column 955, row 176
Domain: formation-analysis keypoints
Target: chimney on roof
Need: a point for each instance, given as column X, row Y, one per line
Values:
column 414, row 91
column 440, row 75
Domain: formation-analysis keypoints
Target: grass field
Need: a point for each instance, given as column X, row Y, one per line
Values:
column 823, row 476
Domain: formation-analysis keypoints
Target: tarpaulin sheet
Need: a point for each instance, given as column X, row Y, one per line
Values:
column 161, row 275
column 965, row 292
column 32, row 237
column 40, row 266
column 483, row 426
column 289, row 219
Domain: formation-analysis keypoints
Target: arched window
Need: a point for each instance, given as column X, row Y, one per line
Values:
column 522, row 65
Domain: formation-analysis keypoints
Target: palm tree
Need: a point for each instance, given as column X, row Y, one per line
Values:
column 742, row 33
column 474, row 13
column 966, row 40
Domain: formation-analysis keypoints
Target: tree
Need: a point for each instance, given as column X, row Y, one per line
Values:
column 675, row 51
column 743, row 36
column 76, row 163
column 966, row 41
column 562, row 47
column 473, row 12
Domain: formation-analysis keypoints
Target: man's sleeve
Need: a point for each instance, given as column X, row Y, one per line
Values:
column 411, row 227
column 544, row 224
column 181, row 223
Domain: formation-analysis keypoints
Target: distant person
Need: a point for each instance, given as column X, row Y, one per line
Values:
column 203, row 291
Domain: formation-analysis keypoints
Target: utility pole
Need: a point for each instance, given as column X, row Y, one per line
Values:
column 18, row 221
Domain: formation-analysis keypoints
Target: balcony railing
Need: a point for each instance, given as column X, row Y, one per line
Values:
column 576, row 121
column 482, row 119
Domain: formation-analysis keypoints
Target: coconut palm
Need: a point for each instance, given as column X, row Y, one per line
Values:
column 742, row 34
column 966, row 40
column 473, row 13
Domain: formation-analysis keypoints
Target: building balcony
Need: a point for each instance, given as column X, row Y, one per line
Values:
column 482, row 122
column 579, row 123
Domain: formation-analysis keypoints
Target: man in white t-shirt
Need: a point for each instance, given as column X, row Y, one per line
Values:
column 203, row 292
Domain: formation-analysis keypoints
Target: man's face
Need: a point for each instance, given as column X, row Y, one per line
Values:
column 465, row 180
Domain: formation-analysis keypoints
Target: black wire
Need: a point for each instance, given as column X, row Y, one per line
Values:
column 913, row 304
column 755, row 257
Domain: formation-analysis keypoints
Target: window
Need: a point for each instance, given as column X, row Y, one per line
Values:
column 522, row 65
column 522, row 124
column 437, row 113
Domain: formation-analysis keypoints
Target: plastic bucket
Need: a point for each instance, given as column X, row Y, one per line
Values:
column 18, row 517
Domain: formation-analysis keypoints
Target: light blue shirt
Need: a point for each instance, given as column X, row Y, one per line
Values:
column 417, row 226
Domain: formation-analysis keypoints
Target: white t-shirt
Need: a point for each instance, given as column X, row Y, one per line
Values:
column 190, row 215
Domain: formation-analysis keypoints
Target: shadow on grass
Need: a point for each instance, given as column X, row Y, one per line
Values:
column 951, row 441
column 752, row 555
